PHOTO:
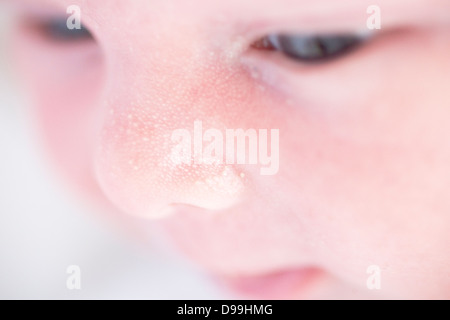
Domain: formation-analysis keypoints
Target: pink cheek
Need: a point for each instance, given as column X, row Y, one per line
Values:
column 64, row 82
column 134, row 163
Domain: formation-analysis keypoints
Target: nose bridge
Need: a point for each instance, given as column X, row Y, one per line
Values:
column 170, row 79
column 172, row 71
column 148, row 100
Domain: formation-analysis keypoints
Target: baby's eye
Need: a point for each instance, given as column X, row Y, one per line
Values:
column 312, row 48
column 57, row 30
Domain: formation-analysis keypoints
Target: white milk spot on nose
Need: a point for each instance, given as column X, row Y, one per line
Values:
column 255, row 74
column 236, row 48
column 220, row 191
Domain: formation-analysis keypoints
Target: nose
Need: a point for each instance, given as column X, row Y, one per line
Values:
column 156, row 91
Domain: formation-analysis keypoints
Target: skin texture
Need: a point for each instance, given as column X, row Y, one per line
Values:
column 364, row 173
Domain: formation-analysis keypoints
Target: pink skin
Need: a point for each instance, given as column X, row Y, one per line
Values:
column 364, row 140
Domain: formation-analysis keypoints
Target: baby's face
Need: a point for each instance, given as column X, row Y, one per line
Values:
column 359, row 175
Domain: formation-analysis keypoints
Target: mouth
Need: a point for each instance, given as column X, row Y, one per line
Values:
column 289, row 284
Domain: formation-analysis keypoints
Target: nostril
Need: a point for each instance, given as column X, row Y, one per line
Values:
column 208, row 187
column 211, row 193
column 219, row 191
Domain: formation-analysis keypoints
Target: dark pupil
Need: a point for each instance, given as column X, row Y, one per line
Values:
column 58, row 29
column 315, row 47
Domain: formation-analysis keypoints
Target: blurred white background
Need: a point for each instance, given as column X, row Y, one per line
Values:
column 44, row 229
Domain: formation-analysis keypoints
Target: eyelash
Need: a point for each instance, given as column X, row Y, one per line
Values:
column 312, row 48
column 301, row 48
column 57, row 30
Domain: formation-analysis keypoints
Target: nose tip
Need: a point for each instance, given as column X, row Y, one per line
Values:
column 153, row 192
column 136, row 170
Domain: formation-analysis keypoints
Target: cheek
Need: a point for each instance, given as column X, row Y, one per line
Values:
column 65, row 83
